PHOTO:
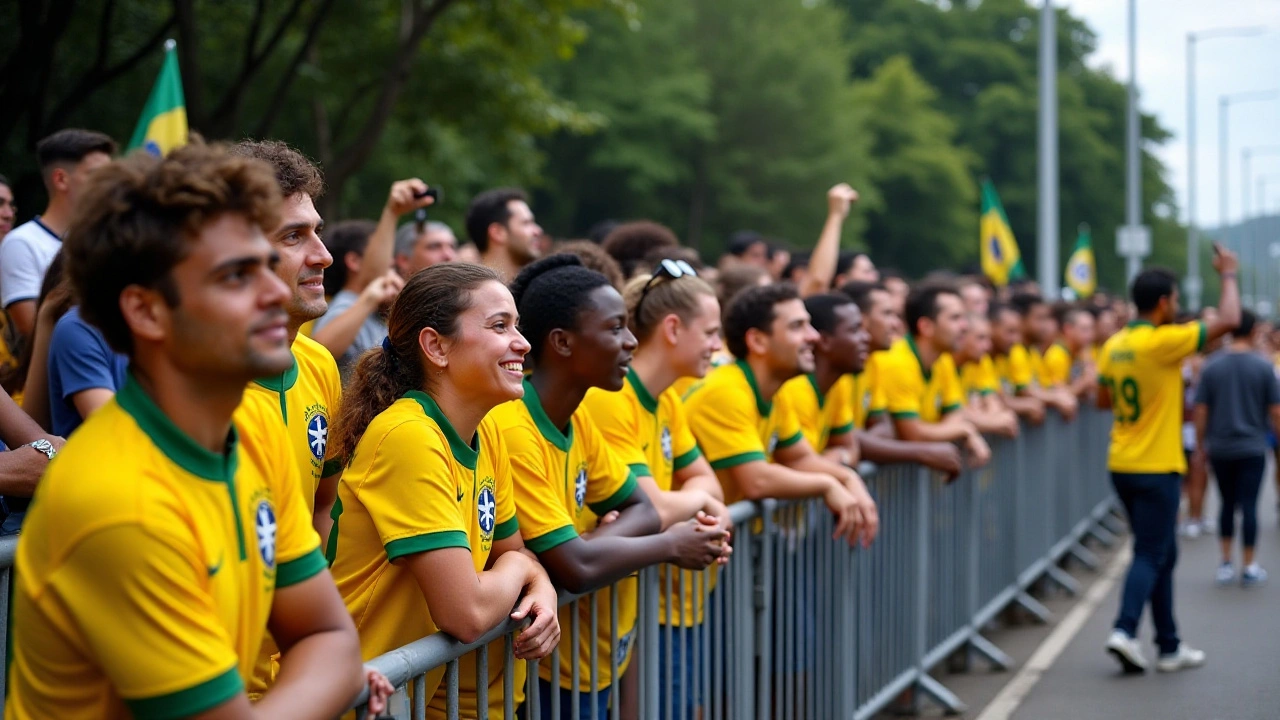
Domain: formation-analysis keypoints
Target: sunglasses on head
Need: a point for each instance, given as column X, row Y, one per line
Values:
column 666, row 269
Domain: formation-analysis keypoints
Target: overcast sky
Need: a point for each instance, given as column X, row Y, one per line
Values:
column 1223, row 66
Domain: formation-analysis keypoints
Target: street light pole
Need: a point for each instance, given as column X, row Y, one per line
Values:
column 1224, row 107
column 1133, row 183
column 1047, row 246
column 1256, row 268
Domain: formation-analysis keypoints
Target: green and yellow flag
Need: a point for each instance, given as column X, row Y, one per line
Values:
column 1001, row 260
column 1081, row 275
column 163, row 125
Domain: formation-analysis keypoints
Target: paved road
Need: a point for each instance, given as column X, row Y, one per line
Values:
column 1239, row 629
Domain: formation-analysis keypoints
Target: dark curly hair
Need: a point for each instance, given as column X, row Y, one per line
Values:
column 294, row 171
column 630, row 243
column 753, row 309
column 550, row 293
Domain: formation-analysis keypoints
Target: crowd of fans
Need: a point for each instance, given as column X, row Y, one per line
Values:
column 292, row 446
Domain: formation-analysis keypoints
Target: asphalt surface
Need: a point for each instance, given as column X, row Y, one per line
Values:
column 1239, row 630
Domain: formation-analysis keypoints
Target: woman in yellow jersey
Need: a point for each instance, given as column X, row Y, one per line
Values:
column 676, row 319
column 425, row 536
column 568, row 475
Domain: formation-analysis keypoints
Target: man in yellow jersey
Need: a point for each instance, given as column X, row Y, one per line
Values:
column 978, row 382
column 1140, row 380
column 146, row 592
column 1038, row 332
column 755, row 444
column 1067, row 362
column 823, row 400
column 1012, row 366
column 877, row 444
column 921, row 385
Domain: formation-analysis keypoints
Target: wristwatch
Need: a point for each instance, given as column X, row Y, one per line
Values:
column 43, row 446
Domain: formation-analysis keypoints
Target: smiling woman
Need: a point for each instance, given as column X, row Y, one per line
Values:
column 425, row 534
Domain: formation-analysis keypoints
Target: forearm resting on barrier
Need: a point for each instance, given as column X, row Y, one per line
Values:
column 581, row 565
column 465, row 603
column 758, row 480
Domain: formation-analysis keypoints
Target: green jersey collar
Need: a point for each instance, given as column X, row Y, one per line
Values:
column 462, row 452
column 185, row 452
column 764, row 408
column 911, row 343
column 551, row 433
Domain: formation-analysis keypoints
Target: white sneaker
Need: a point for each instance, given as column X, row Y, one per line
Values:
column 1127, row 651
column 1253, row 575
column 1186, row 657
column 1226, row 573
column 1192, row 530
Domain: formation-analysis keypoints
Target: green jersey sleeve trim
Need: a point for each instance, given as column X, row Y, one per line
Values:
column 687, row 459
column 330, row 468
column 506, row 529
column 618, row 497
column 299, row 569
column 556, row 537
column 640, row 470
column 952, row 408
column 846, row 428
column 1204, row 337
column 192, row 701
column 910, row 415
column 428, row 541
column 875, row 413
column 788, row 442
column 986, row 391
column 736, row 460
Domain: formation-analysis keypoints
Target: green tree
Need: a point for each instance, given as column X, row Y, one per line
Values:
column 928, row 214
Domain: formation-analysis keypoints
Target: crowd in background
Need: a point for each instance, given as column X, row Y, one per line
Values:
column 432, row 426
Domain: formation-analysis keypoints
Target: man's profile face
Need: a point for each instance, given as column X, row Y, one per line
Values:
column 303, row 258
column 792, row 338
column 524, row 235
column 950, row 324
column 435, row 246
column 77, row 176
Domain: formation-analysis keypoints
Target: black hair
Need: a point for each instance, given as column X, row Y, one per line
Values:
column 550, row 293
column 5, row 181
column 753, row 308
column 598, row 232
column 922, row 302
column 799, row 261
column 1248, row 320
column 997, row 309
column 1023, row 302
column 846, row 260
column 348, row 236
column 487, row 208
column 822, row 310
column 1150, row 285
column 861, row 293
column 629, row 243
column 741, row 241
column 72, row 145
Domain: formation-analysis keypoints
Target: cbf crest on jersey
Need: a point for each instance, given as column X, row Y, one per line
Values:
column 261, row 516
column 486, row 512
column 773, row 443
column 580, row 486
column 666, row 444
column 317, row 419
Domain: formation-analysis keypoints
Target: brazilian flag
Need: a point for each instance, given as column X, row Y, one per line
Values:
column 163, row 125
column 1081, row 274
column 1001, row 260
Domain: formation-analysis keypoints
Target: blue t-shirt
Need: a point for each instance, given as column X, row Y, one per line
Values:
column 79, row 360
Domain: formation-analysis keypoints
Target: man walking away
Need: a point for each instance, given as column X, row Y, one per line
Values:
column 1140, row 380
column 1237, row 404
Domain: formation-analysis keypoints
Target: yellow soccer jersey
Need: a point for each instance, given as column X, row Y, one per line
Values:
column 820, row 416
column 1141, row 366
column 564, row 480
column 734, row 425
column 145, row 591
column 1014, row 369
column 860, row 387
column 414, row 486
column 305, row 397
column 913, row 392
column 652, row 436
column 979, row 378
column 1039, row 371
column 1057, row 365
column 874, row 402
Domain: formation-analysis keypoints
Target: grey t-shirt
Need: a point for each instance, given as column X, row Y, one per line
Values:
column 1239, row 389
column 371, row 334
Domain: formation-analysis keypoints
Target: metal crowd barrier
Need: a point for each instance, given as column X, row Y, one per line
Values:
column 800, row 626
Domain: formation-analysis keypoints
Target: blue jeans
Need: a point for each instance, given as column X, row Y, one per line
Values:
column 566, row 702
column 686, row 670
column 1151, row 502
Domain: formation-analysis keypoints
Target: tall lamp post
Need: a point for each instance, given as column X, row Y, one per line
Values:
column 1193, row 285
column 1224, row 124
column 1251, row 252
column 1264, row 300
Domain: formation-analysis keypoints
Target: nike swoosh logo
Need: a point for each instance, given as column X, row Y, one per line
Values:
column 213, row 569
column 460, row 494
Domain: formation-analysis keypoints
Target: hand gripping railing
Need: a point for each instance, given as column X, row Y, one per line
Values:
column 800, row 626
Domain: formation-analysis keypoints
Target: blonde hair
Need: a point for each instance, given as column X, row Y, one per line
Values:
column 667, row 296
